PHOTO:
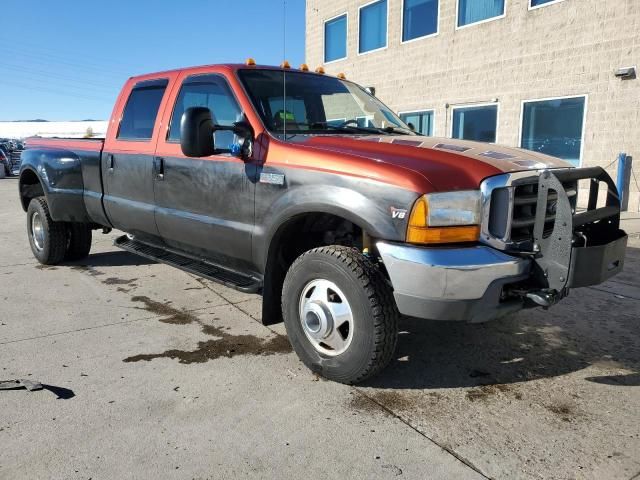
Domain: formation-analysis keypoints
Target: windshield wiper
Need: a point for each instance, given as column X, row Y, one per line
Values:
column 397, row 130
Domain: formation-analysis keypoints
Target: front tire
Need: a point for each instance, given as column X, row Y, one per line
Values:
column 48, row 239
column 340, row 314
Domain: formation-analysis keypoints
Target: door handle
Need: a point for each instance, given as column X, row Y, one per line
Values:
column 159, row 166
column 111, row 163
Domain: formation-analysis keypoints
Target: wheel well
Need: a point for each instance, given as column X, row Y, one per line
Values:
column 30, row 187
column 292, row 239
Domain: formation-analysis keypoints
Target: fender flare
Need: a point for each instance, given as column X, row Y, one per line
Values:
column 372, row 217
column 60, row 175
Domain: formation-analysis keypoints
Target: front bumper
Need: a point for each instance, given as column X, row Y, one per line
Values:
column 464, row 283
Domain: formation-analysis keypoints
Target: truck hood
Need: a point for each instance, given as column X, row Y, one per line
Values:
column 447, row 164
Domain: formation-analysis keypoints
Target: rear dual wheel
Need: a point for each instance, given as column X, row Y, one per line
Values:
column 52, row 242
column 340, row 314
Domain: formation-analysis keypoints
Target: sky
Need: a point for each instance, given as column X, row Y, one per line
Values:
column 68, row 59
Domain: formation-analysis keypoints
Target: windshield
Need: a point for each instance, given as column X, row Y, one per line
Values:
column 317, row 104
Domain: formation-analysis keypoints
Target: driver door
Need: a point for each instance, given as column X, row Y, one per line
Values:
column 205, row 206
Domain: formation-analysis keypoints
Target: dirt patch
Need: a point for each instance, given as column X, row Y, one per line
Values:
column 226, row 345
column 565, row 411
column 392, row 400
column 87, row 269
column 46, row 267
column 487, row 391
column 118, row 281
column 170, row 314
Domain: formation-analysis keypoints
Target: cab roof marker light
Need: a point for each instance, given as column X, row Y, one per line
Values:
column 342, row 76
column 320, row 70
column 304, row 67
column 250, row 62
column 285, row 64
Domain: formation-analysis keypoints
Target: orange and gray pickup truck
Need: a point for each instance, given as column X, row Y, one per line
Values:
column 326, row 203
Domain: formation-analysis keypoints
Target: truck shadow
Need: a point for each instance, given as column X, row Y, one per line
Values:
column 117, row 258
column 593, row 326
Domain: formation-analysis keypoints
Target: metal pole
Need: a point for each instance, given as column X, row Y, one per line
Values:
column 624, row 180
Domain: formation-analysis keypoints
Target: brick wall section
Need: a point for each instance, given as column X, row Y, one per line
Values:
column 563, row 49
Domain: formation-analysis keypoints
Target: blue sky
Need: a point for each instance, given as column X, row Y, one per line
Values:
column 67, row 60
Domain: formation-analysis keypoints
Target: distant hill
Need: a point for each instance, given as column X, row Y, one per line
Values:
column 41, row 120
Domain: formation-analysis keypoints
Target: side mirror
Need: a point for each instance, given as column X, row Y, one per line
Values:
column 196, row 132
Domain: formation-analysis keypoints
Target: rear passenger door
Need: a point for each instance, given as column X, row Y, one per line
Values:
column 127, row 161
column 205, row 206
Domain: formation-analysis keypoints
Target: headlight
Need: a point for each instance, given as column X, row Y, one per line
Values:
column 448, row 217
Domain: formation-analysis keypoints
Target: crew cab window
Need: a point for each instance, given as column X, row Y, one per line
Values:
column 213, row 92
column 141, row 110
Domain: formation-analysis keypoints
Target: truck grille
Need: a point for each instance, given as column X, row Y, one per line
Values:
column 512, row 212
column 16, row 160
column 525, row 200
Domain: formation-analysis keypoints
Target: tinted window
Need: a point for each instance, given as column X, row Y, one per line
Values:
column 421, row 121
column 373, row 26
column 335, row 39
column 554, row 127
column 213, row 92
column 141, row 110
column 476, row 123
column 472, row 11
column 535, row 3
column 419, row 18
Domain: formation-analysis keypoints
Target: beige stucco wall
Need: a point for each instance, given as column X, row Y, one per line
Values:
column 568, row 48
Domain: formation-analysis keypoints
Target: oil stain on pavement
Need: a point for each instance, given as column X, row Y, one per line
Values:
column 224, row 345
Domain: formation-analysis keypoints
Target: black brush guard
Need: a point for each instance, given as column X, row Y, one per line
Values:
column 584, row 248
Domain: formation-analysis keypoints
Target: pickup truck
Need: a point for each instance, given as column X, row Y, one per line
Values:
column 307, row 189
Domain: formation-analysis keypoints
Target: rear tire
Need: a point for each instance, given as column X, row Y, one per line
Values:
column 80, row 236
column 48, row 239
column 325, row 286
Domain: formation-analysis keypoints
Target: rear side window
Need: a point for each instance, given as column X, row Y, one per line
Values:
column 213, row 92
column 141, row 110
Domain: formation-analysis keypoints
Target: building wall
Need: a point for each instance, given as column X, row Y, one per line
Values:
column 562, row 49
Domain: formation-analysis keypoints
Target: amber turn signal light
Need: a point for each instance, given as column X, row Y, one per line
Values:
column 419, row 232
column 320, row 70
column 285, row 64
column 304, row 67
column 250, row 62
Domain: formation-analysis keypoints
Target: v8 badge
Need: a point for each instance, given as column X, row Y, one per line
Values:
column 398, row 213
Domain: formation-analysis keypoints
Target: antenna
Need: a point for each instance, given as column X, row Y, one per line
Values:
column 284, row 70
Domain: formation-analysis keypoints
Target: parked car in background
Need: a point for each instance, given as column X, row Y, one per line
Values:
column 5, row 162
column 10, row 155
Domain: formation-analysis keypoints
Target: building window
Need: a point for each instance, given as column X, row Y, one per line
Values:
column 479, row 123
column 475, row 11
column 541, row 3
column 419, row 19
column 335, row 38
column 554, row 127
column 373, row 27
column 422, row 122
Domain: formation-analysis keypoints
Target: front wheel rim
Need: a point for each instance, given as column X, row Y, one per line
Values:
column 326, row 317
column 37, row 231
